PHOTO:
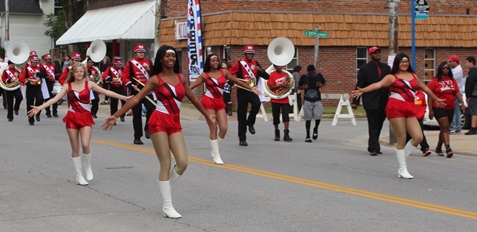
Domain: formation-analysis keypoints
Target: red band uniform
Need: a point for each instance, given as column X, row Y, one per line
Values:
column 79, row 114
column 112, row 75
column 8, row 76
column 213, row 98
column 53, row 71
column 32, row 76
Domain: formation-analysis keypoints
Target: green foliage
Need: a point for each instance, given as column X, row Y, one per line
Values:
column 56, row 25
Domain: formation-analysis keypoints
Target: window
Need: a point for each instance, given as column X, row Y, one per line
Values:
column 294, row 61
column 361, row 57
column 429, row 64
column 226, row 53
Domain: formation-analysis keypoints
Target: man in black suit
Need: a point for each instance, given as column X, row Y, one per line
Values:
column 374, row 103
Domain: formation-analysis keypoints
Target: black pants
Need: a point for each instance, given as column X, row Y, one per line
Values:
column 49, row 84
column 113, row 105
column 245, row 97
column 34, row 97
column 376, row 119
column 276, row 108
column 11, row 95
column 137, row 117
column 95, row 103
column 299, row 102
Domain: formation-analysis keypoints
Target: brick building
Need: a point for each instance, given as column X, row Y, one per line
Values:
column 353, row 27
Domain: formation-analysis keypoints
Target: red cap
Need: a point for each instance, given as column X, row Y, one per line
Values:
column 76, row 56
column 47, row 56
column 34, row 58
column 453, row 58
column 117, row 60
column 33, row 53
column 139, row 48
column 249, row 49
column 373, row 49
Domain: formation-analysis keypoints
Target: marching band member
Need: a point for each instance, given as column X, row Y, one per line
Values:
column 246, row 69
column 277, row 81
column 75, row 58
column 401, row 110
column 165, row 124
column 214, row 78
column 135, row 75
column 92, row 73
column 32, row 76
column 53, row 72
column 112, row 75
column 78, row 120
column 11, row 75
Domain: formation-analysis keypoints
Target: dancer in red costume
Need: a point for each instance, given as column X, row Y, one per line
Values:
column 164, row 125
column 213, row 100
column 401, row 111
column 78, row 120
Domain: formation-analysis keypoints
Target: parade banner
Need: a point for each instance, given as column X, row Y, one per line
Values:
column 194, row 40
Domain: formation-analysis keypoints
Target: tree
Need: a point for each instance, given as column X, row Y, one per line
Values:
column 56, row 25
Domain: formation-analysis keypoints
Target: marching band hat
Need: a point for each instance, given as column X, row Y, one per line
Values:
column 33, row 53
column 139, row 48
column 453, row 58
column 249, row 49
column 47, row 56
column 117, row 60
column 34, row 58
column 76, row 56
column 10, row 62
column 373, row 49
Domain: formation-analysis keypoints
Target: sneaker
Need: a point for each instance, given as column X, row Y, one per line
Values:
column 439, row 151
column 426, row 152
column 315, row 133
column 308, row 140
column 472, row 131
column 449, row 153
column 104, row 102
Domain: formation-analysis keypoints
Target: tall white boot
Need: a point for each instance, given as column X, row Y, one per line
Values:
column 79, row 174
column 215, row 152
column 402, row 172
column 86, row 159
column 409, row 148
column 219, row 140
column 173, row 176
column 167, row 208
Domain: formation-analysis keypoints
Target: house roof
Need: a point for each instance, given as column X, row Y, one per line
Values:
column 241, row 28
column 22, row 6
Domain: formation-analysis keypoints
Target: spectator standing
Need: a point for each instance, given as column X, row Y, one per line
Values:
column 458, row 75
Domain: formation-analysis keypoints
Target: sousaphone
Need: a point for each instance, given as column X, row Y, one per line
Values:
column 96, row 51
column 280, row 52
column 18, row 53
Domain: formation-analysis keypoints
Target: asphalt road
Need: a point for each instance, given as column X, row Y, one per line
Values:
column 331, row 184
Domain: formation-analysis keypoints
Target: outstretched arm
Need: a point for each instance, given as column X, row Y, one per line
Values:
column 36, row 109
column 385, row 82
column 439, row 102
column 200, row 80
column 190, row 95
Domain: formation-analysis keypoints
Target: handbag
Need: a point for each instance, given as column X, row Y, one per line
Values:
column 56, row 88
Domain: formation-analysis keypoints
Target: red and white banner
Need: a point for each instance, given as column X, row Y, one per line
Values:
column 194, row 39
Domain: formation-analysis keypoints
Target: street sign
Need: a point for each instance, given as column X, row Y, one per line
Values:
column 421, row 9
column 320, row 34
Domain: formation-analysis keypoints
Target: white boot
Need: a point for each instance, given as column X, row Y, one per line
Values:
column 215, row 152
column 86, row 159
column 219, row 140
column 409, row 148
column 79, row 174
column 167, row 208
column 402, row 172
column 173, row 176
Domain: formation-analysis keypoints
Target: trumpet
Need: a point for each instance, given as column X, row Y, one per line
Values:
column 250, row 82
column 138, row 90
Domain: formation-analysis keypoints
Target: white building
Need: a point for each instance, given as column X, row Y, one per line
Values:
column 26, row 23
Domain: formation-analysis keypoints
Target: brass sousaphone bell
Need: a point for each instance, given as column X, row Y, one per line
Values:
column 17, row 52
column 280, row 52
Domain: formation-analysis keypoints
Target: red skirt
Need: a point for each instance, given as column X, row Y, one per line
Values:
column 74, row 120
column 161, row 122
column 209, row 103
column 400, row 109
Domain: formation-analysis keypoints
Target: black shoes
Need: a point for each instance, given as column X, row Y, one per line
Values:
column 104, row 102
column 308, row 140
column 472, row 131
column 277, row 135
column 38, row 117
column 146, row 132
column 32, row 123
column 287, row 137
column 138, row 142
column 315, row 133
column 16, row 112
column 10, row 119
column 373, row 153
column 48, row 115
column 251, row 129
column 243, row 143
column 122, row 119
column 55, row 115
column 94, row 116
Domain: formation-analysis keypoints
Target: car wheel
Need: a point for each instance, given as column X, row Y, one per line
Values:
column 465, row 121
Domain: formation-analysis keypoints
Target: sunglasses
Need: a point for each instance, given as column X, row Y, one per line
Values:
column 445, row 68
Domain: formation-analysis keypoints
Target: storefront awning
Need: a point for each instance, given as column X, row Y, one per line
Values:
column 129, row 21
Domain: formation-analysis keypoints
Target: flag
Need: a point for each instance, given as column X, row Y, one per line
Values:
column 194, row 39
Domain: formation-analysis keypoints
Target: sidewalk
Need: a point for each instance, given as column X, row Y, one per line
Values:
column 460, row 143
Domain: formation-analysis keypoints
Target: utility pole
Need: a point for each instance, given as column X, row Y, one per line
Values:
column 158, row 15
column 393, row 46
column 7, row 24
